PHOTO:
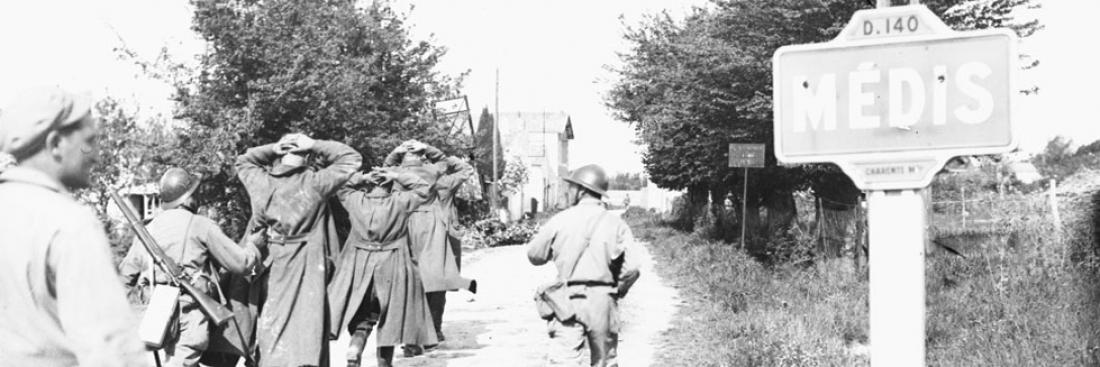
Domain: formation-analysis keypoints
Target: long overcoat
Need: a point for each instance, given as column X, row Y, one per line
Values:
column 289, row 294
column 377, row 256
column 432, row 223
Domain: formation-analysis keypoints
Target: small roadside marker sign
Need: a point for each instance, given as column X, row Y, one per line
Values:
column 746, row 155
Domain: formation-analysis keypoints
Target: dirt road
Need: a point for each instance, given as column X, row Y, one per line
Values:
column 499, row 326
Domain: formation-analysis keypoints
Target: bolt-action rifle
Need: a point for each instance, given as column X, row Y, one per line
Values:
column 217, row 312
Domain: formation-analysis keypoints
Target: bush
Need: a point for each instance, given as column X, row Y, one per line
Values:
column 635, row 212
column 1024, row 295
column 492, row 233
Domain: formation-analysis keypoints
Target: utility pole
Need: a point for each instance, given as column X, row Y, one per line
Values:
column 494, row 187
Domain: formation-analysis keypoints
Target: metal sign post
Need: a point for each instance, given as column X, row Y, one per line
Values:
column 896, row 230
column 745, row 155
column 890, row 100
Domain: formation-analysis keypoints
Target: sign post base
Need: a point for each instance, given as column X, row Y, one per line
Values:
column 896, row 226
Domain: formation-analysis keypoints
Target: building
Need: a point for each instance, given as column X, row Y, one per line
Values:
column 541, row 141
column 145, row 199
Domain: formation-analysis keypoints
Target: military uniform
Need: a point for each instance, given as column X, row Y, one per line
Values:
column 192, row 241
column 59, row 294
column 594, row 286
column 377, row 281
column 432, row 229
column 292, row 204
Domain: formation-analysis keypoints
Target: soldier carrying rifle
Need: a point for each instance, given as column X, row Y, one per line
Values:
column 195, row 243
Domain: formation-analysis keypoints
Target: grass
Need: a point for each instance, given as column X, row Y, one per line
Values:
column 1025, row 293
column 738, row 312
column 1023, row 296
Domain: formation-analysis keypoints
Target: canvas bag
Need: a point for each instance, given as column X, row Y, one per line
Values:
column 552, row 299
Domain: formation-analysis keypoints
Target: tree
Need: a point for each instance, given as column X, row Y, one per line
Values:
column 1058, row 160
column 483, row 150
column 128, row 152
column 330, row 69
column 627, row 181
column 691, row 87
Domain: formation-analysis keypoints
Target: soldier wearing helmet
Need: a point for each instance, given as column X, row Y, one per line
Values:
column 61, row 301
column 197, row 244
column 593, row 252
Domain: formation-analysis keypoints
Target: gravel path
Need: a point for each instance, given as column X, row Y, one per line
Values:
column 499, row 326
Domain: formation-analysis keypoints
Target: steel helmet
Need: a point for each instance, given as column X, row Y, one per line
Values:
column 590, row 177
column 176, row 185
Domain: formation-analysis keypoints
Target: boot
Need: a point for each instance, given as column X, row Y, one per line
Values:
column 385, row 356
column 598, row 349
column 412, row 350
column 355, row 348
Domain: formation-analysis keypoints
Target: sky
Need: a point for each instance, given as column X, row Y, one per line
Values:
column 551, row 56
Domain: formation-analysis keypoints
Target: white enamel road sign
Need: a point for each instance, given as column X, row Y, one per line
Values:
column 895, row 96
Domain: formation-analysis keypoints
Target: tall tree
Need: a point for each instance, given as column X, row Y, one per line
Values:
column 331, row 69
column 691, row 87
column 483, row 150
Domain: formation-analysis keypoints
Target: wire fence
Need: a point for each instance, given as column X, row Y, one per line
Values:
column 840, row 228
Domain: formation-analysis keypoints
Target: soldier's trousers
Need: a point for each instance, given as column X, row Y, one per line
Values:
column 437, row 302
column 596, row 327
column 192, row 340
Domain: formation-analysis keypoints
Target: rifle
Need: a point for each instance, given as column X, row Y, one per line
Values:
column 217, row 312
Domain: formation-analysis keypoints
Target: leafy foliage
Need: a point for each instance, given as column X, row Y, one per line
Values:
column 330, row 69
column 514, row 176
column 492, row 232
column 689, row 88
column 483, row 151
column 627, row 181
column 129, row 150
column 1058, row 160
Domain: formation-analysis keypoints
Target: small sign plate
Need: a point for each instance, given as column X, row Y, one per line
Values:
column 746, row 155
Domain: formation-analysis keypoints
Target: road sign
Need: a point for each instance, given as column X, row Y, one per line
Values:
column 453, row 105
column 895, row 96
column 458, row 111
column 890, row 100
column 746, row 155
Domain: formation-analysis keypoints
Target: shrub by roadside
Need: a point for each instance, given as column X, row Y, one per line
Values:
column 739, row 312
column 1026, row 293
column 492, row 233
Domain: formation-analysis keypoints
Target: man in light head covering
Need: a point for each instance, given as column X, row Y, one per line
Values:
column 62, row 302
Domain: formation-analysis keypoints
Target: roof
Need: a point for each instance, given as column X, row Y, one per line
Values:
column 146, row 189
column 550, row 122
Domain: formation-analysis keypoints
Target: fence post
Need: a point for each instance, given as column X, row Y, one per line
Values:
column 1053, row 198
column 963, row 202
column 820, row 240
